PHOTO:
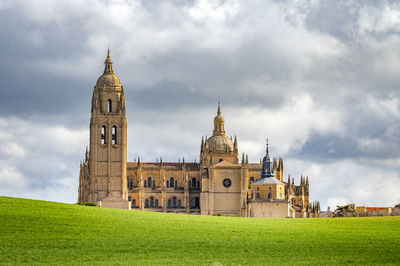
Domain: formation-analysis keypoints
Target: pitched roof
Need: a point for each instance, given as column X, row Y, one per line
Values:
column 165, row 165
column 226, row 164
column 268, row 180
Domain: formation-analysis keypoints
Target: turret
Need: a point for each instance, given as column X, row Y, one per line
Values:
column 267, row 169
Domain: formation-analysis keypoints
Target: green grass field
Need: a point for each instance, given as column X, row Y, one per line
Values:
column 36, row 232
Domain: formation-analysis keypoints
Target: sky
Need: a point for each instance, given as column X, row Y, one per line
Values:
column 320, row 79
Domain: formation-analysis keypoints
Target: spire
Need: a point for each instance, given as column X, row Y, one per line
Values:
column 268, row 166
column 219, row 123
column 108, row 63
column 86, row 154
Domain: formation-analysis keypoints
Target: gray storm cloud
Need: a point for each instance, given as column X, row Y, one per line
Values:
column 320, row 79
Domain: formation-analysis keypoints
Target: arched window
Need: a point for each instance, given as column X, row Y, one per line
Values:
column 109, row 106
column 133, row 203
column 179, row 203
column 152, row 202
column 167, row 183
column 171, row 182
column 270, row 195
column 154, row 183
column 195, row 203
column 146, row 204
column 251, row 181
column 149, row 181
column 176, row 183
column 194, row 182
column 144, row 183
column 103, row 135
column 258, row 195
column 198, row 184
column 114, row 135
column 156, row 203
column 169, row 203
column 192, row 203
column 174, row 202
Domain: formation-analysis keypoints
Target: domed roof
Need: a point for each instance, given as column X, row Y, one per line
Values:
column 219, row 143
column 108, row 78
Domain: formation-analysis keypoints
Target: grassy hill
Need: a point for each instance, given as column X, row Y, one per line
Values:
column 35, row 232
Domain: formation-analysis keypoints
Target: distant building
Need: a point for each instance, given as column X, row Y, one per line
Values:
column 218, row 184
column 369, row 211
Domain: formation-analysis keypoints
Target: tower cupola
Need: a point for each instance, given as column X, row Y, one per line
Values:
column 267, row 167
column 219, row 121
column 108, row 79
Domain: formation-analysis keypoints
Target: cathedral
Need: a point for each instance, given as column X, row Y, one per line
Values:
column 219, row 184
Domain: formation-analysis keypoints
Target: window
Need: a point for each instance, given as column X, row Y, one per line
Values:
column 156, row 203
column 167, row 183
column 179, row 203
column 109, row 106
column 114, row 135
column 133, row 203
column 174, row 202
column 171, row 182
column 103, row 135
column 194, row 182
column 144, row 183
column 198, row 184
column 220, row 160
column 169, row 203
column 149, row 181
column 280, row 195
column 227, row 182
column 258, row 195
column 195, row 203
column 190, row 183
column 152, row 202
column 270, row 195
column 129, row 198
column 154, row 183
column 176, row 183
column 146, row 204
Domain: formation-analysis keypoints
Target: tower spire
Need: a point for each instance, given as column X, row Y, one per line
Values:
column 219, row 123
column 108, row 63
column 267, row 151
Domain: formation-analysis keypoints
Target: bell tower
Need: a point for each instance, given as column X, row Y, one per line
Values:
column 108, row 151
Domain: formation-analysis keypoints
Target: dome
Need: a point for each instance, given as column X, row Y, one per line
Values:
column 108, row 79
column 220, row 143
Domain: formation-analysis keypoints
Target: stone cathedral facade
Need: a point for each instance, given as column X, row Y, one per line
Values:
column 219, row 183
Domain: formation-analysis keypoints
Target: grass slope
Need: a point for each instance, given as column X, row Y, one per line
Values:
column 35, row 232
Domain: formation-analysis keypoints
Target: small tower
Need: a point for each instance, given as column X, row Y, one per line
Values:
column 267, row 167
